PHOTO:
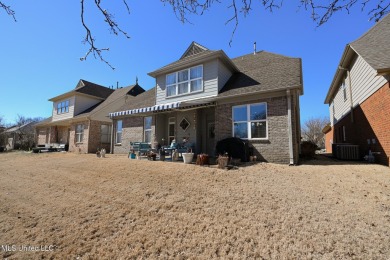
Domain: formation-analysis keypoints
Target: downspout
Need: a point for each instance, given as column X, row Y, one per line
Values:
column 350, row 93
column 289, row 120
column 112, row 136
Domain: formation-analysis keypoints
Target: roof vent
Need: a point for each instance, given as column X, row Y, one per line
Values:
column 254, row 48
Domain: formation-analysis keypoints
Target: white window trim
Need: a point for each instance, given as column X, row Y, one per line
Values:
column 78, row 134
column 249, row 121
column 187, row 81
column 116, row 132
column 62, row 104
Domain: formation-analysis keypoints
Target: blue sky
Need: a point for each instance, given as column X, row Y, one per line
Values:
column 40, row 53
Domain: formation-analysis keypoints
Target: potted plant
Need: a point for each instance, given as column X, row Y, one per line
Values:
column 188, row 156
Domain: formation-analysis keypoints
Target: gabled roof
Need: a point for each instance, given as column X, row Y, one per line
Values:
column 193, row 49
column 374, row 45
column 132, row 90
column 194, row 55
column 87, row 88
column 264, row 72
column 17, row 128
column 145, row 99
column 43, row 122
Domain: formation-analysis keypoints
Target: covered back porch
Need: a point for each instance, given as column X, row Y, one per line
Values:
column 191, row 127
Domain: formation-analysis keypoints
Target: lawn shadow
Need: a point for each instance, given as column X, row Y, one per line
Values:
column 328, row 160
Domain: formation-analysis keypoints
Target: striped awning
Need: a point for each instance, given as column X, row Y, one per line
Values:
column 146, row 109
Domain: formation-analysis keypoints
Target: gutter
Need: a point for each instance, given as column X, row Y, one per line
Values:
column 218, row 54
column 332, row 85
column 261, row 92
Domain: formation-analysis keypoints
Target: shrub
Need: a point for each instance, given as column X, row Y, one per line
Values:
column 308, row 149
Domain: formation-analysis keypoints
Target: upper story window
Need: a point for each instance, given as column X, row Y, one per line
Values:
column 63, row 107
column 343, row 87
column 185, row 81
column 332, row 108
column 250, row 121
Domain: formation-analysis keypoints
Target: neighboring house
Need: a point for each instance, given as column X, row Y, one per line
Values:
column 79, row 118
column 328, row 137
column 205, row 97
column 19, row 136
column 359, row 95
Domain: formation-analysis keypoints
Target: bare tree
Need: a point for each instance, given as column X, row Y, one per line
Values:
column 320, row 13
column 2, row 135
column 312, row 130
column 24, row 133
column 113, row 26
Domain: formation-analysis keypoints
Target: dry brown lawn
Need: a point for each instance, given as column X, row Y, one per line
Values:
column 116, row 208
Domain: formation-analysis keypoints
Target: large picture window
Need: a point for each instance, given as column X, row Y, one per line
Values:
column 148, row 129
column 79, row 133
column 118, row 136
column 185, row 81
column 250, row 121
column 105, row 134
column 63, row 107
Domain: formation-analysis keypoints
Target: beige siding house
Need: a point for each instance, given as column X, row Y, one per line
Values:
column 79, row 119
column 359, row 95
column 205, row 97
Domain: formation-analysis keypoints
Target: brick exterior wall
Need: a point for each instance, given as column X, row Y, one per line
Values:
column 371, row 121
column 41, row 134
column 132, row 131
column 329, row 141
column 81, row 147
column 94, row 138
column 62, row 132
column 52, row 136
column 275, row 149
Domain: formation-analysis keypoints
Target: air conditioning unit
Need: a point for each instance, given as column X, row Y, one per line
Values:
column 346, row 152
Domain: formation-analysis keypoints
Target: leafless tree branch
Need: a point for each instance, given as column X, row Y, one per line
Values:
column 90, row 40
column 320, row 13
column 8, row 10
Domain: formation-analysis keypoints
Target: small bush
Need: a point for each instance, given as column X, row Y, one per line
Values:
column 308, row 149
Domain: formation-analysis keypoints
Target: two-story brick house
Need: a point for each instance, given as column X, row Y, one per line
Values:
column 205, row 97
column 79, row 119
column 359, row 95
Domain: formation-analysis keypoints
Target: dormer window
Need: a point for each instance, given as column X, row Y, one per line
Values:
column 63, row 107
column 185, row 81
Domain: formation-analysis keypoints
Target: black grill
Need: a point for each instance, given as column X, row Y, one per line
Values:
column 235, row 148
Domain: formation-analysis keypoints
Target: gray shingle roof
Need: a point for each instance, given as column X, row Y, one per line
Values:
column 263, row 72
column 145, row 99
column 88, row 88
column 93, row 89
column 183, row 61
column 118, row 93
column 374, row 45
